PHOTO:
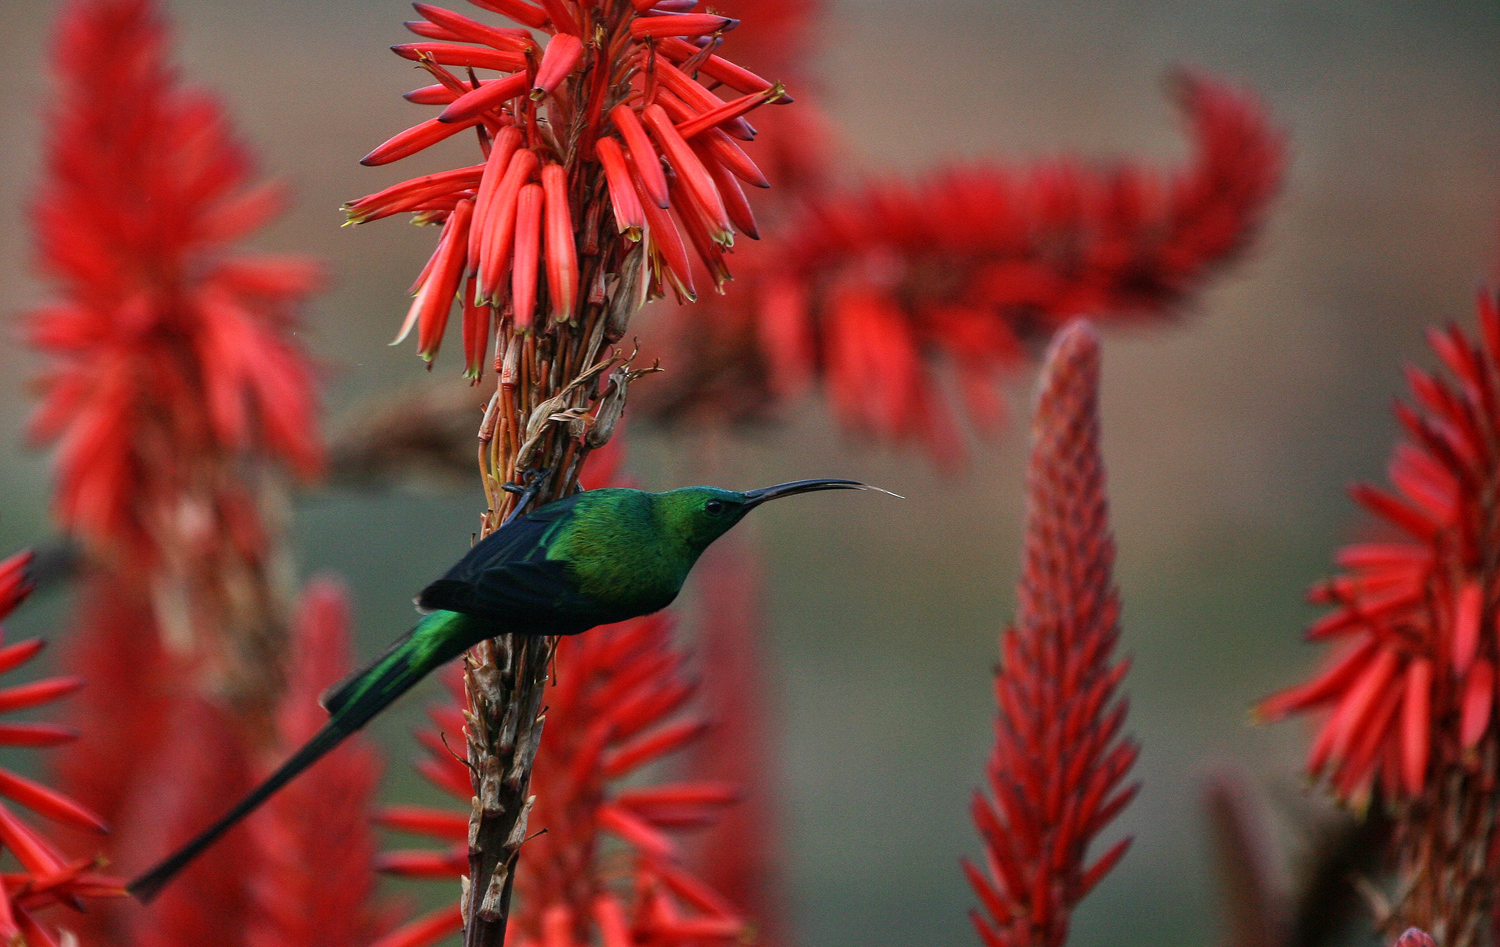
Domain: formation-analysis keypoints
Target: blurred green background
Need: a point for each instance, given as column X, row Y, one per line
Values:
column 1230, row 437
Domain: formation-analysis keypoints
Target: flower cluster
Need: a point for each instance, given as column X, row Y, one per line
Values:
column 46, row 876
column 1410, row 690
column 172, row 349
column 1056, row 776
column 867, row 292
column 1414, row 613
column 616, row 706
column 614, row 110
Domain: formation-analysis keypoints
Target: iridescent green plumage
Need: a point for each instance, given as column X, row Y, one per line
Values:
column 590, row 559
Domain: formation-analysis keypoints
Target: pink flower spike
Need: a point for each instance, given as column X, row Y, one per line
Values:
column 488, row 96
column 15, row 581
column 642, row 154
column 561, row 57
column 680, row 24
column 629, row 217
column 562, row 255
column 528, row 250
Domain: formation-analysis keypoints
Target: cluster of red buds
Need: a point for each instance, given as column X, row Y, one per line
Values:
column 617, row 107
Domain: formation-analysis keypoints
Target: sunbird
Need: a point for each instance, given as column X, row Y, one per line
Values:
column 596, row 557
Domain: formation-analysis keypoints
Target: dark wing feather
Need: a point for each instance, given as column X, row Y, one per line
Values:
column 507, row 578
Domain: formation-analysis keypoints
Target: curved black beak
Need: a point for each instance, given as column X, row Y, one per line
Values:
column 756, row 497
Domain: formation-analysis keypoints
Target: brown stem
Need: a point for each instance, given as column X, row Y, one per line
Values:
column 1446, row 844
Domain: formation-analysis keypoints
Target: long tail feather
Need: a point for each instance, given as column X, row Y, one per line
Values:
column 437, row 639
column 147, row 886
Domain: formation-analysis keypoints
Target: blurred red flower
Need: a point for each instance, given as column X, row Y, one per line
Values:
column 170, row 347
column 1415, row 613
column 615, row 707
column 46, row 877
column 311, row 877
column 618, row 103
column 868, row 293
column 1056, row 776
column 1410, row 689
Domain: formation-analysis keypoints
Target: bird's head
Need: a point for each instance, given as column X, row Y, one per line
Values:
column 700, row 515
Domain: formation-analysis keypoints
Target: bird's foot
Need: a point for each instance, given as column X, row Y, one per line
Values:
column 531, row 484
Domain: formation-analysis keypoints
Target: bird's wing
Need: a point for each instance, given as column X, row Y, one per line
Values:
column 507, row 578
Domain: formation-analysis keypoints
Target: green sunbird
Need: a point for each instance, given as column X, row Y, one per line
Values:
column 593, row 558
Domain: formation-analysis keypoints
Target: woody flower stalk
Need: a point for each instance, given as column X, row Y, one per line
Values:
column 610, row 173
column 1409, row 691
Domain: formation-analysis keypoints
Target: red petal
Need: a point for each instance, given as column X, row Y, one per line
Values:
column 528, row 248
column 680, row 24
column 413, row 140
column 1416, row 725
column 47, row 802
column 558, row 61
column 629, row 217
column 728, row 110
column 1478, row 700
column 500, row 225
column 473, row 31
column 428, row 929
column 717, row 68
column 1467, row 617
column 643, row 157
column 518, row 10
column 562, row 254
column 37, row 692
column 502, row 149
column 691, row 172
column 488, row 96
column 457, row 54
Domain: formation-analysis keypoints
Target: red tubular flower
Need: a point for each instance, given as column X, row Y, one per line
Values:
column 46, row 877
column 616, row 707
column 15, row 581
column 1056, row 776
column 868, row 293
column 575, row 105
column 1410, row 689
column 170, row 347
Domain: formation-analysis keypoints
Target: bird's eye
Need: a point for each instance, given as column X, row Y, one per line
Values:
column 714, row 506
